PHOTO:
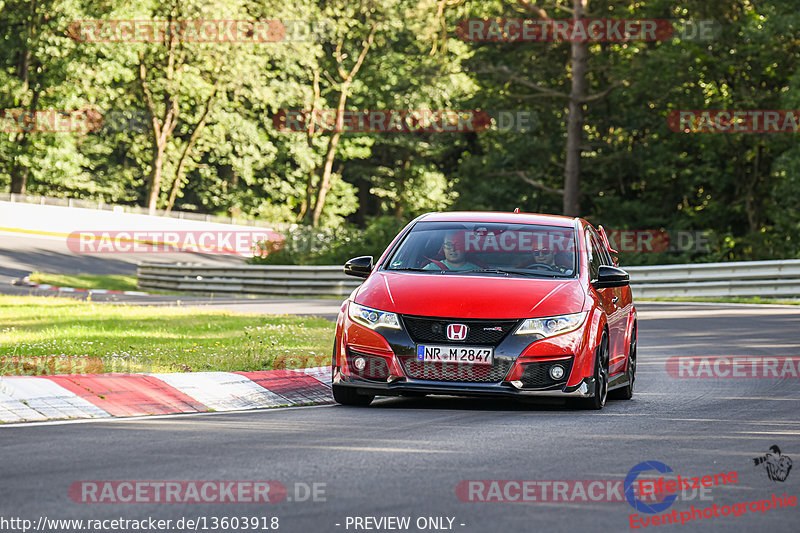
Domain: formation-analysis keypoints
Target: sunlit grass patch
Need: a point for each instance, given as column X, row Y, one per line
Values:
column 111, row 282
column 59, row 335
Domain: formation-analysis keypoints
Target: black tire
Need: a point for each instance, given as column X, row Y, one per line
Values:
column 626, row 392
column 597, row 401
column 349, row 396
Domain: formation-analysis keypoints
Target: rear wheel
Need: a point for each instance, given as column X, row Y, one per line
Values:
column 626, row 392
column 597, row 401
column 350, row 396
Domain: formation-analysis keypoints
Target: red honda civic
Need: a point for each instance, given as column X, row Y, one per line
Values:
column 488, row 304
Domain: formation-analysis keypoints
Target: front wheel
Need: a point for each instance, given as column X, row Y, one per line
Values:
column 349, row 396
column 597, row 401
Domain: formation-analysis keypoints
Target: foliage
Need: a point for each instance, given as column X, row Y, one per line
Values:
column 111, row 282
column 306, row 245
column 636, row 173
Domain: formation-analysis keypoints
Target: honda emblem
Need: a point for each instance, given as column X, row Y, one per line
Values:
column 457, row 332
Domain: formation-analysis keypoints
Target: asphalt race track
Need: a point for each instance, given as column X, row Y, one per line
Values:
column 406, row 457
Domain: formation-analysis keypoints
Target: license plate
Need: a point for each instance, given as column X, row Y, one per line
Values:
column 469, row 355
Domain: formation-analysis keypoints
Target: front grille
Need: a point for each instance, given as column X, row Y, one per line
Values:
column 376, row 369
column 481, row 332
column 537, row 375
column 437, row 371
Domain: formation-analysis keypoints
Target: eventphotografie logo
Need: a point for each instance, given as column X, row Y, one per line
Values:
column 634, row 499
column 777, row 466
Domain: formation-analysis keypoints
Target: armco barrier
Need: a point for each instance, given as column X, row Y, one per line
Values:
column 248, row 279
column 753, row 278
column 771, row 279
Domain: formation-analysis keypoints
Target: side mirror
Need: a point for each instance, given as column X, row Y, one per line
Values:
column 609, row 276
column 360, row 267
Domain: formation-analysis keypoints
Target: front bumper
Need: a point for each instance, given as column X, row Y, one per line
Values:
column 401, row 386
column 517, row 371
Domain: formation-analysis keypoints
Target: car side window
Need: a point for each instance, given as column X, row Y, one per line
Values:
column 602, row 251
column 593, row 253
column 599, row 247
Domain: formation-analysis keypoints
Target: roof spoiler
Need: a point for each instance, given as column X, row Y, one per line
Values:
column 605, row 240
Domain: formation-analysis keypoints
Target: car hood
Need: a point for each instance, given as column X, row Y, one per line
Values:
column 471, row 296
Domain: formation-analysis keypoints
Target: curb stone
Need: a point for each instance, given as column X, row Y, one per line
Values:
column 72, row 396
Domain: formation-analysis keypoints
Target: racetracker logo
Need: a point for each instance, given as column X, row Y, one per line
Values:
column 50, row 121
column 734, row 121
column 659, row 241
column 404, row 121
column 177, row 492
column 195, row 492
column 744, row 367
column 159, row 31
column 584, row 30
column 561, row 490
column 243, row 243
column 514, row 241
column 381, row 121
column 21, row 365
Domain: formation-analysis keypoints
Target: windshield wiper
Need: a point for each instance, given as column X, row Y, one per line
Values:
column 413, row 269
column 508, row 272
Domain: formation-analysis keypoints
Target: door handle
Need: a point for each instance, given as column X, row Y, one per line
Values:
column 615, row 299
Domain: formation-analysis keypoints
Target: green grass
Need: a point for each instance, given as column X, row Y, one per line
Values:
column 87, row 281
column 59, row 335
column 727, row 300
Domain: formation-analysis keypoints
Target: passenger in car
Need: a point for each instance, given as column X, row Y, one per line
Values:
column 548, row 257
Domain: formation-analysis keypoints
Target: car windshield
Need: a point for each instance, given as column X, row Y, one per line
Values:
column 480, row 248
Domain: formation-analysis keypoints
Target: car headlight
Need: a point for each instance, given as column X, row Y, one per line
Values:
column 372, row 318
column 551, row 325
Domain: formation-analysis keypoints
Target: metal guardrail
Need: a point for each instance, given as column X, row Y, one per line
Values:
column 247, row 279
column 752, row 278
column 771, row 279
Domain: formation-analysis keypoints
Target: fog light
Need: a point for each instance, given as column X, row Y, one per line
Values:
column 360, row 363
column 556, row 372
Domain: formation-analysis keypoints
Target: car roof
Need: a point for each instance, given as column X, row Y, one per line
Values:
column 499, row 216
